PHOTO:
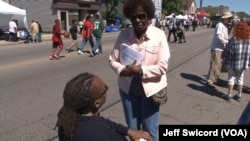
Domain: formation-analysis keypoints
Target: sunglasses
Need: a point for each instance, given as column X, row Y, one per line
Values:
column 104, row 92
column 138, row 16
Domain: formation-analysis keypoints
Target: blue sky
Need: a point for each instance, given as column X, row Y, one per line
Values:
column 234, row 5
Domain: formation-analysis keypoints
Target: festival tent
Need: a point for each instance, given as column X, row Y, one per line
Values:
column 181, row 17
column 170, row 16
column 7, row 12
column 178, row 17
column 201, row 14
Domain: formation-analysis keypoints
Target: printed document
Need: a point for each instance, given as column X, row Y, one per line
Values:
column 128, row 55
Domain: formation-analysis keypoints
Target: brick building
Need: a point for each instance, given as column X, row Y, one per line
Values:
column 188, row 7
column 216, row 10
column 46, row 11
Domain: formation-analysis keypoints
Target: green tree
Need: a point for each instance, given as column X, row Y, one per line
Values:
column 164, row 7
column 242, row 14
column 212, row 13
column 171, row 6
column 111, row 7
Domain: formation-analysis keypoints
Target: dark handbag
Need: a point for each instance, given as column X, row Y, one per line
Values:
column 160, row 97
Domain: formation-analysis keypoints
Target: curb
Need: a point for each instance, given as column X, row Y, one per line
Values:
column 45, row 37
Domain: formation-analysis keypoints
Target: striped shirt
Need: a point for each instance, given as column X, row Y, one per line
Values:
column 237, row 54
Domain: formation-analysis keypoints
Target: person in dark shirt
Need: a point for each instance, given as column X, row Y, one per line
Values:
column 40, row 31
column 73, row 32
column 79, row 118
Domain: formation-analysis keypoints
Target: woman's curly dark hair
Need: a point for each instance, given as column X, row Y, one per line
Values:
column 79, row 95
column 146, row 5
column 241, row 30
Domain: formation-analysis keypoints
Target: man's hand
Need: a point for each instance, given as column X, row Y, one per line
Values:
column 135, row 135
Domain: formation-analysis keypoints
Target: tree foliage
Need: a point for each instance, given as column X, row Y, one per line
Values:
column 111, row 7
column 241, row 14
column 212, row 12
column 171, row 6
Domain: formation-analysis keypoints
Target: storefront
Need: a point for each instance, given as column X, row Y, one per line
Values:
column 69, row 10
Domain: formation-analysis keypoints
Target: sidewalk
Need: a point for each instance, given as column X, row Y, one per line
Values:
column 45, row 37
column 48, row 36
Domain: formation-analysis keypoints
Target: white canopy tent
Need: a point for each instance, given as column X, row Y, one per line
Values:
column 170, row 16
column 7, row 12
column 181, row 17
column 178, row 17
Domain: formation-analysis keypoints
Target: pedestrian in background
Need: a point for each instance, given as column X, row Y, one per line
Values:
column 73, row 32
column 148, row 76
column 13, row 30
column 186, row 24
column 195, row 23
column 79, row 118
column 57, row 44
column 34, row 31
column 219, row 41
column 236, row 57
column 97, row 32
column 87, row 35
column 40, row 32
column 172, row 29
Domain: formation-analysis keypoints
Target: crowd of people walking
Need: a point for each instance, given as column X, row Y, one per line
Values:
column 89, row 27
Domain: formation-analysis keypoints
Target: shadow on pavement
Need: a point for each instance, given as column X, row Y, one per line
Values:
column 205, row 89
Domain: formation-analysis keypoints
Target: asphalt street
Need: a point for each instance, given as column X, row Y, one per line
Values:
column 31, row 87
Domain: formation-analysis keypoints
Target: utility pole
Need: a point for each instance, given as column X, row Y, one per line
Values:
column 201, row 1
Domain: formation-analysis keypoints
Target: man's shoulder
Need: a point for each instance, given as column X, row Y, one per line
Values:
column 72, row 27
column 220, row 25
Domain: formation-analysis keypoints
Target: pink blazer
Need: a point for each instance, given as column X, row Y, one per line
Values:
column 156, row 54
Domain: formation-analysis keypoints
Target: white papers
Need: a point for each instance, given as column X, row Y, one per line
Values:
column 128, row 55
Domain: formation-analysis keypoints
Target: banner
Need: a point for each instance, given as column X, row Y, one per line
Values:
column 199, row 132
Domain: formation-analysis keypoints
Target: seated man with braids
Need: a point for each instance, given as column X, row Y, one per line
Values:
column 79, row 119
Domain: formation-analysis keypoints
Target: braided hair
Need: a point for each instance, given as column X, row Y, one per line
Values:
column 79, row 96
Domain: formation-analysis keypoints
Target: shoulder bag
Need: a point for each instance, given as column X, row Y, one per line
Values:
column 160, row 97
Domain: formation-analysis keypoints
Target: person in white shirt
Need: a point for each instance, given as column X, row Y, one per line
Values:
column 219, row 41
column 13, row 30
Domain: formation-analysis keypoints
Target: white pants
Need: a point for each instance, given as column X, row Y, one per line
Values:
column 235, row 75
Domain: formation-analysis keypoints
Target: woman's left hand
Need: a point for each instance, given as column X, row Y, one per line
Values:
column 130, row 70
